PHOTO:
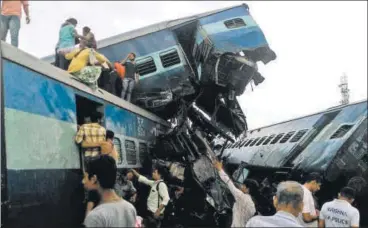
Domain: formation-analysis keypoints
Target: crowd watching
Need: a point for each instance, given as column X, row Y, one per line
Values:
column 111, row 197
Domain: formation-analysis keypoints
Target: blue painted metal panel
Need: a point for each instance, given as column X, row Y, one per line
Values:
column 141, row 46
column 28, row 91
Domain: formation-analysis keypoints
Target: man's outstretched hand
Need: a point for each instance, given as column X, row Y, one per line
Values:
column 28, row 20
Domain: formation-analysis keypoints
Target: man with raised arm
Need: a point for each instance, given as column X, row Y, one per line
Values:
column 158, row 197
column 11, row 14
column 288, row 202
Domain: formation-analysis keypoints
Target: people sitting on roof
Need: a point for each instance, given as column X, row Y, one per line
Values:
column 67, row 40
column 91, row 133
column 86, row 64
column 107, row 147
column 130, row 77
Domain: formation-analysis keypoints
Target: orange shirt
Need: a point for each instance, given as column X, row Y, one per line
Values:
column 12, row 8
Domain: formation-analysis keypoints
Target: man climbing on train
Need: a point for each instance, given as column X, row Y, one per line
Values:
column 91, row 132
column 107, row 147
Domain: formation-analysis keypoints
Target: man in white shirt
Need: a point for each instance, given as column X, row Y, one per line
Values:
column 309, row 215
column 340, row 212
column 158, row 197
column 244, row 207
column 288, row 203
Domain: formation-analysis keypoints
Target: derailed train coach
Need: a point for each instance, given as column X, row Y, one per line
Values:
column 206, row 59
column 332, row 142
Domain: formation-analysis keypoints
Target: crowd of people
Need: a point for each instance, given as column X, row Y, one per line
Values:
column 112, row 197
column 82, row 61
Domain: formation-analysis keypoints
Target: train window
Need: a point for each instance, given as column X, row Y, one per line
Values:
column 261, row 140
column 131, row 153
column 244, row 142
column 277, row 138
column 269, row 139
column 254, row 142
column 170, row 58
column 249, row 142
column 234, row 23
column 236, row 144
column 287, row 137
column 143, row 152
column 117, row 145
column 299, row 135
column 341, row 131
column 146, row 66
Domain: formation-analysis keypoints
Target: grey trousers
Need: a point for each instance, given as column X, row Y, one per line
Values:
column 11, row 23
column 128, row 86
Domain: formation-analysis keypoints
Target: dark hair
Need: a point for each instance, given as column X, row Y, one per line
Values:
column 104, row 167
column 252, row 185
column 110, row 134
column 95, row 116
column 160, row 170
column 133, row 54
column 313, row 177
column 86, row 29
column 347, row 192
column 72, row 21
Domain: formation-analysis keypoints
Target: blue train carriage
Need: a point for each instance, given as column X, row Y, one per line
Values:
column 170, row 55
column 40, row 163
column 230, row 43
column 332, row 142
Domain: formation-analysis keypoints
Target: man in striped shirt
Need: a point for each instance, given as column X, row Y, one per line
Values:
column 91, row 133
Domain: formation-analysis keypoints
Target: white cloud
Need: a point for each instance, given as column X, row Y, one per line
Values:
column 315, row 42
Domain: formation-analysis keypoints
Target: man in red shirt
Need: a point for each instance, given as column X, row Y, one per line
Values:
column 11, row 13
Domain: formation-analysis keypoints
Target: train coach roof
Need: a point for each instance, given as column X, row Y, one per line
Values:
column 149, row 29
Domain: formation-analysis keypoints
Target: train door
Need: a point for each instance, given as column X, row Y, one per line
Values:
column 85, row 107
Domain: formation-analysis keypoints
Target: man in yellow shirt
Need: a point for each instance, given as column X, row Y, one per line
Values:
column 107, row 147
column 11, row 13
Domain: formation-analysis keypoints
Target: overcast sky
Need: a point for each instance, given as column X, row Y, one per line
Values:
column 315, row 43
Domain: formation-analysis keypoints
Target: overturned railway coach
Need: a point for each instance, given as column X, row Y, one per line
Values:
column 332, row 142
column 41, row 166
column 207, row 58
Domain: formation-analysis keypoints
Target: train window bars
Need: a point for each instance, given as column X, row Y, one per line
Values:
column 254, row 142
column 117, row 145
column 249, row 142
column 339, row 133
column 146, row 66
column 277, row 138
column 287, row 137
column 261, row 140
column 298, row 135
column 269, row 139
column 131, row 153
column 234, row 23
column 170, row 58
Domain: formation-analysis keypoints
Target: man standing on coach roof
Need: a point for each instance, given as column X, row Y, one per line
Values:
column 11, row 13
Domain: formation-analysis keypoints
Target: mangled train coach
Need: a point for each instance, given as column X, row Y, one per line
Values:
column 206, row 59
